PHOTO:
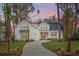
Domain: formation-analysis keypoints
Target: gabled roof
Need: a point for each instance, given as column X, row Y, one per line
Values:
column 54, row 26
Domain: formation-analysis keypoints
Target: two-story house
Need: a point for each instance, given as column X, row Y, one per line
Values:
column 27, row 31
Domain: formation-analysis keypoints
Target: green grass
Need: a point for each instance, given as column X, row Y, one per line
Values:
column 53, row 45
column 14, row 45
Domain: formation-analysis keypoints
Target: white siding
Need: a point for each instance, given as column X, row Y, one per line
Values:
column 44, row 26
column 19, row 27
column 17, row 33
column 33, row 33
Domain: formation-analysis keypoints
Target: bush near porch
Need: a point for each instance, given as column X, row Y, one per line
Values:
column 59, row 47
column 16, row 48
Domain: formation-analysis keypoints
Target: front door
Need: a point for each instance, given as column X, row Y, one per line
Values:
column 44, row 35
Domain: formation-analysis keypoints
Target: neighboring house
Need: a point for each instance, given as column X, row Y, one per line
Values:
column 27, row 31
column 2, row 34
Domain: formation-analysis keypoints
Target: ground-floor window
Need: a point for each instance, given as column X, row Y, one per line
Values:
column 53, row 33
column 44, row 34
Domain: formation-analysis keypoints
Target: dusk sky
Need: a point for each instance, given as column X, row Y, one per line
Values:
column 46, row 10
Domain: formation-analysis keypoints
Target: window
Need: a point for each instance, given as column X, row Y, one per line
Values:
column 53, row 33
column 44, row 34
column 24, row 27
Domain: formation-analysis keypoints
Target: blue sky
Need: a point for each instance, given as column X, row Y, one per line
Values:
column 45, row 6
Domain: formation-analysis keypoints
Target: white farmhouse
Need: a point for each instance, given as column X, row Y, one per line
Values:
column 27, row 31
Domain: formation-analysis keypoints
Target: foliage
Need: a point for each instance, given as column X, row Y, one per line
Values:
column 7, row 11
column 1, row 24
column 21, row 10
column 65, row 34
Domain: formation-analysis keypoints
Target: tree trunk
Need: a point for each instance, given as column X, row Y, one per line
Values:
column 76, row 17
column 69, row 36
column 8, row 33
column 59, row 20
column 69, row 44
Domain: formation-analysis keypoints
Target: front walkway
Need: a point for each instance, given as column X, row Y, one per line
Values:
column 36, row 49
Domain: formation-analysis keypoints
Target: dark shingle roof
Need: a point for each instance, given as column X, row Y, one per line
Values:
column 54, row 26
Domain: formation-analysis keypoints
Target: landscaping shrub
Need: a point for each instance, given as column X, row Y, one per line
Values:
column 65, row 35
column 31, row 40
column 77, row 52
column 11, row 53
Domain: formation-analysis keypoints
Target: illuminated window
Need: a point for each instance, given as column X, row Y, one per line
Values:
column 53, row 33
column 44, row 34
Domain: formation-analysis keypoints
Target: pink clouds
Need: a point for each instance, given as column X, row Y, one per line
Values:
column 44, row 14
column 47, row 14
column 46, row 11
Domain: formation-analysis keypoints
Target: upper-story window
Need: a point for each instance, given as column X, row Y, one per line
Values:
column 23, row 27
column 44, row 27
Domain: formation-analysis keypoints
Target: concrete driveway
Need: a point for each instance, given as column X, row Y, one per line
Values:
column 36, row 49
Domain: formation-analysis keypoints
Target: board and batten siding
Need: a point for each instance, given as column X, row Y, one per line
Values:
column 44, row 30
column 44, row 26
column 33, row 32
column 21, row 26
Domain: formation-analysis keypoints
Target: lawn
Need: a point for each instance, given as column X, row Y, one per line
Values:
column 14, row 46
column 53, row 45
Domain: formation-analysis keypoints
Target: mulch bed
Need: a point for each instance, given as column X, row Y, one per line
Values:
column 16, row 52
column 65, row 53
